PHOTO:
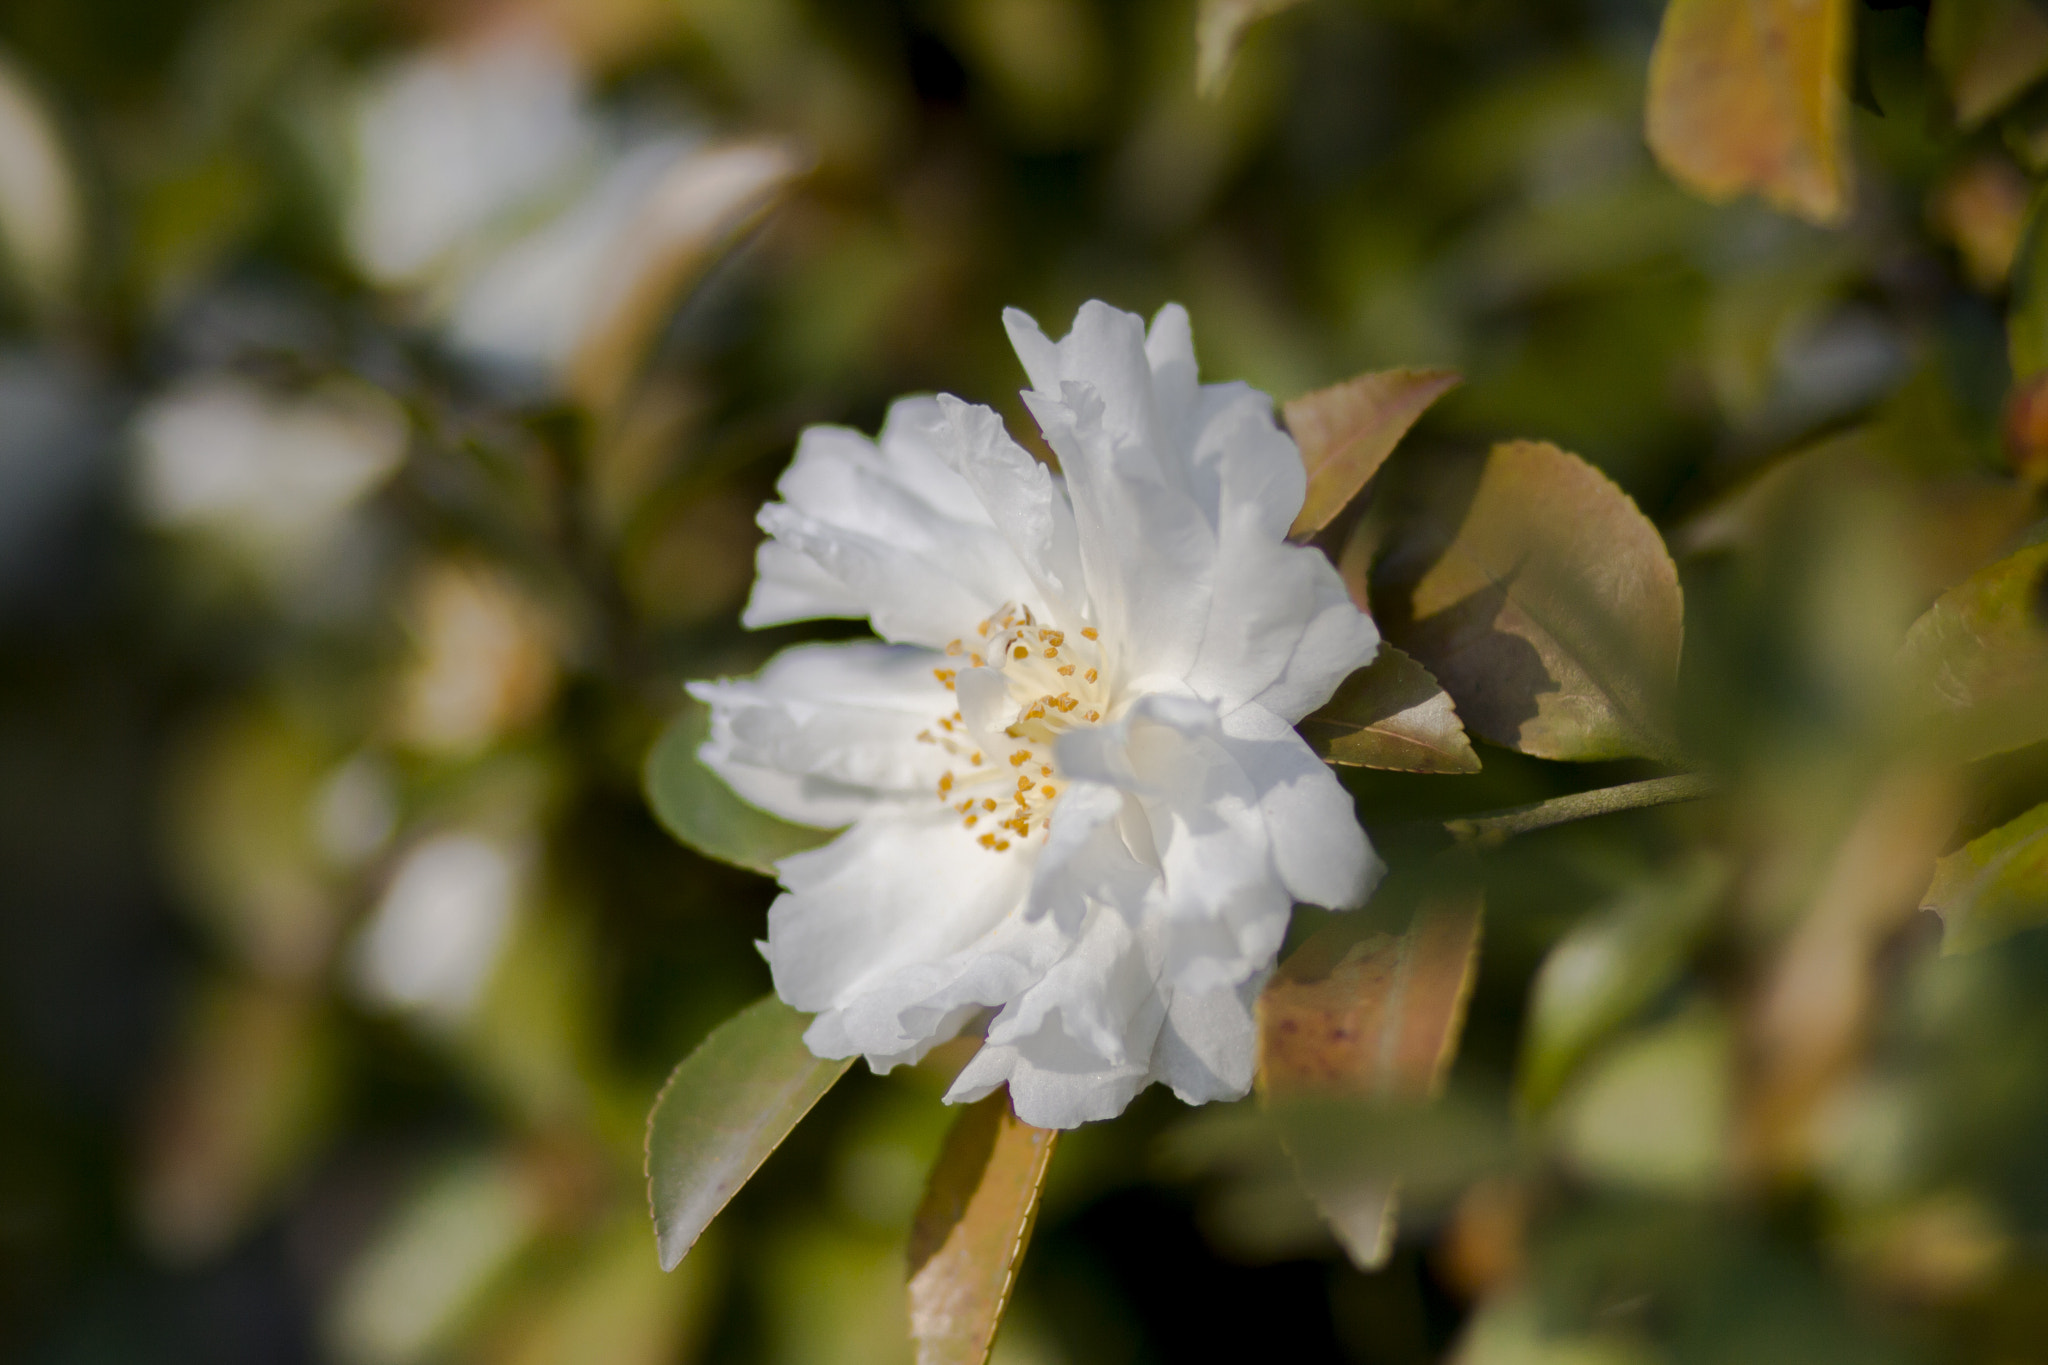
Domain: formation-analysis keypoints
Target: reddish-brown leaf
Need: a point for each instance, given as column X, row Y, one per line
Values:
column 1347, row 431
column 971, row 1230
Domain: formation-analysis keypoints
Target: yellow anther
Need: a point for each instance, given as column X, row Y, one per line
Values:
column 955, row 646
column 945, row 783
column 1054, row 638
column 945, row 674
column 926, row 737
column 1020, row 758
column 976, row 660
column 982, row 630
column 1002, row 844
column 1047, row 791
column 988, row 803
column 988, row 840
column 1066, row 670
column 1088, row 632
column 1089, row 675
column 1020, row 652
column 1045, row 771
column 1095, row 715
column 1052, row 654
column 1024, row 783
column 971, row 821
column 975, row 759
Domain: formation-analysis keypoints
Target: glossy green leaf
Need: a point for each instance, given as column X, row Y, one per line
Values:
column 1391, row 714
column 725, row 1108
column 1988, row 51
column 1655, row 1113
column 1355, row 1015
column 1978, row 658
column 1347, row 431
column 1994, row 885
column 971, row 1229
column 1746, row 96
column 1539, row 596
column 694, row 804
column 1607, row 969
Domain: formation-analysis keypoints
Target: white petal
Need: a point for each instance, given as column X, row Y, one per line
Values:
column 899, row 890
column 1078, row 1044
column 898, row 529
column 1319, row 850
column 825, row 733
column 1146, row 546
column 1206, row 1050
column 1029, row 509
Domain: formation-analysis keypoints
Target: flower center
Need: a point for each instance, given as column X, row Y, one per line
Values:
column 1007, row 782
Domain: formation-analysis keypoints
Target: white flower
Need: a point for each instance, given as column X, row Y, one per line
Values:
column 1071, row 783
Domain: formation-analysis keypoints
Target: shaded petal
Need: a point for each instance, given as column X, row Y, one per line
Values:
column 900, row 890
column 1206, row 1049
column 825, row 733
column 1319, row 852
column 1027, row 506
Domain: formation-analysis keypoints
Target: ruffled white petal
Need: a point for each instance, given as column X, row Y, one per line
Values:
column 826, row 733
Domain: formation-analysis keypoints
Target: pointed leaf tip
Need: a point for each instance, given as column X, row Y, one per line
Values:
column 1391, row 714
column 725, row 1108
column 1347, row 431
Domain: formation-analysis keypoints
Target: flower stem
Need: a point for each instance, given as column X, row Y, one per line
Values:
column 1488, row 830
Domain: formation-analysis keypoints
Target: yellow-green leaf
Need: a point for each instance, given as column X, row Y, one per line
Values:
column 1978, row 658
column 1540, row 597
column 1358, row 1015
column 1347, row 431
column 694, row 804
column 1219, row 32
column 725, row 1108
column 971, row 1230
column 1392, row 714
column 1746, row 96
column 1989, row 52
column 1607, row 969
column 1994, row 885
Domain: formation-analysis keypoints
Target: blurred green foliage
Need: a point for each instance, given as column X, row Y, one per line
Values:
column 385, row 394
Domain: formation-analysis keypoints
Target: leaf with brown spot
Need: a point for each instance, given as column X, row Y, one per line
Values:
column 1540, row 597
column 1746, row 96
column 971, row 1230
column 1347, row 431
column 1355, row 1014
column 1391, row 714
column 1994, row 885
column 1978, row 658
column 1988, row 51
column 725, row 1108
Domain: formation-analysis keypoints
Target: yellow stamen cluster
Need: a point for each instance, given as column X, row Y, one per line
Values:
column 1055, row 685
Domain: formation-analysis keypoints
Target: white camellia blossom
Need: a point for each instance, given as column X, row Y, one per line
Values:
column 1071, row 784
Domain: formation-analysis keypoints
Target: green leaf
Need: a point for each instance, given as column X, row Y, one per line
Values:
column 1988, row 51
column 725, row 1108
column 1978, row 658
column 1993, row 886
column 2026, row 319
column 1654, row 1114
column 1540, row 597
column 1355, row 1015
column 971, row 1229
column 1607, row 969
column 1347, row 431
column 1392, row 714
column 694, row 804
column 1746, row 96
column 1219, row 32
